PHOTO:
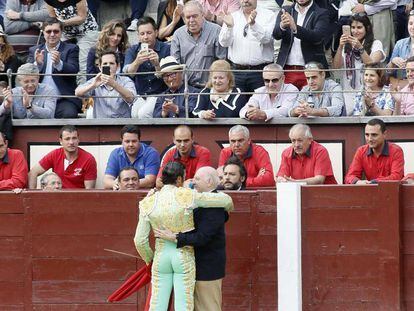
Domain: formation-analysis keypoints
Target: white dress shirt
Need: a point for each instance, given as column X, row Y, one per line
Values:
column 296, row 55
column 257, row 47
column 280, row 105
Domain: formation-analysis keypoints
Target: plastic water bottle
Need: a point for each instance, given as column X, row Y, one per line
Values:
column 310, row 101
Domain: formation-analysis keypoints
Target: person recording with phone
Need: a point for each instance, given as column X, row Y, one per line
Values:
column 143, row 58
column 357, row 47
column 113, row 94
column 321, row 97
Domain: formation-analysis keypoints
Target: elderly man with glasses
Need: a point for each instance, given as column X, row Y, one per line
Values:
column 172, row 104
column 321, row 97
column 248, row 35
column 275, row 99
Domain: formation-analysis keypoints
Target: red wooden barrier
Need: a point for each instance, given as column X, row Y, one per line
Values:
column 52, row 249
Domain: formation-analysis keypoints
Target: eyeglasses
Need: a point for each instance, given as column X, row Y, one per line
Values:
column 360, row 14
column 169, row 75
column 55, row 31
column 275, row 80
column 245, row 29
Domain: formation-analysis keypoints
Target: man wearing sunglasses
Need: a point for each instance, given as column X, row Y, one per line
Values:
column 57, row 57
column 248, row 35
column 274, row 99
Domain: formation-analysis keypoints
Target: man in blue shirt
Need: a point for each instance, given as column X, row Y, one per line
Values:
column 145, row 159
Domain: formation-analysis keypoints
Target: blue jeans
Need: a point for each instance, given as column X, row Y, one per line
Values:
column 400, row 23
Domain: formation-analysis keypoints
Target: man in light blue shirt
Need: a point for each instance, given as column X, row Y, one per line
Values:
column 113, row 94
column 144, row 158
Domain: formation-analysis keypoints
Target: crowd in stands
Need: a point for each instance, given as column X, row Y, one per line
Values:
column 208, row 59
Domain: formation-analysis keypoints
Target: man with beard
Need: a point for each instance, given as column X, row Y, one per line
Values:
column 75, row 166
column 303, row 28
column 234, row 175
column 193, row 156
column 275, row 99
column 378, row 160
column 144, row 158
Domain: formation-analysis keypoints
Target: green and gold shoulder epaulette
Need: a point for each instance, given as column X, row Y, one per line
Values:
column 146, row 205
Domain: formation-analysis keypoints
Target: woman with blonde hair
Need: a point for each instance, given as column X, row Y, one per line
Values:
column 220, row 98
column 113, row 37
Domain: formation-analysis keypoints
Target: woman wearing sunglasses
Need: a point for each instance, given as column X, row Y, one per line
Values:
column 375, row 99
column 356, row 50
column 219, row 99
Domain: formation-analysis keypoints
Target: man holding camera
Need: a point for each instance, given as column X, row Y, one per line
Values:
column 113, row 94
column 145, row 57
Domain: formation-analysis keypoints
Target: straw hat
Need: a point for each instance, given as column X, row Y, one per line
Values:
column 169, row 64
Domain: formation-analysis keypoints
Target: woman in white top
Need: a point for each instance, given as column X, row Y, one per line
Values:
column 355, row 51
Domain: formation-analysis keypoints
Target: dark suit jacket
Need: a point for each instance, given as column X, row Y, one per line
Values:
column 209, row 241
column 313, row 34
column 69, row 54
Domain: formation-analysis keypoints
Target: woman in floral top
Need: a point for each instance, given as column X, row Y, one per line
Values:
column 375, row 99
column 79, row 26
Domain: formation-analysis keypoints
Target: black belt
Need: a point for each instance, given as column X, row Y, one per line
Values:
column 251, row 67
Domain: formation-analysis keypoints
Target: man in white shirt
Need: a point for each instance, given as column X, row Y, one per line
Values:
column 303, row 28
column 275, row 99
column 248, row 35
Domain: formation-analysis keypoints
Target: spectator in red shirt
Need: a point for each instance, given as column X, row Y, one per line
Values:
column 378, row 160
column 193, row 156
column 254, row 157
column 75, row 167
column 306, row 160
column 13, row 166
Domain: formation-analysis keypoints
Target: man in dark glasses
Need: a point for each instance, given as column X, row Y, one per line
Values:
column 274, row 99
column 58, row 57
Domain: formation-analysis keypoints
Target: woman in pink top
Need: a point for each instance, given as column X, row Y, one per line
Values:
column 405, row 99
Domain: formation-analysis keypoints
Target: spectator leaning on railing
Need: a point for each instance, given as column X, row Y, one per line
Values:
column 273, row 100
column 220, row 98
column 112, row 94
column 172, row 104
column 321, row 97
column 30, row 100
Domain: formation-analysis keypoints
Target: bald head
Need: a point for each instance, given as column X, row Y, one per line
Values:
column 206, row 179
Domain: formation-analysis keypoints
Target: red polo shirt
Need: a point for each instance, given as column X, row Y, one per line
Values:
column 13, row 170
column 199, row 157
column 388, row 166
column 314, row 162
column 256, row 158
column 83, row 168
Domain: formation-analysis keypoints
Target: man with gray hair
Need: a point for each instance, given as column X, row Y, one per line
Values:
column 196, row 44
column 306, row 160
column 255, row 158
column 209, row 241
column 275, row 99
column 30, row 100
column 50, row 182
